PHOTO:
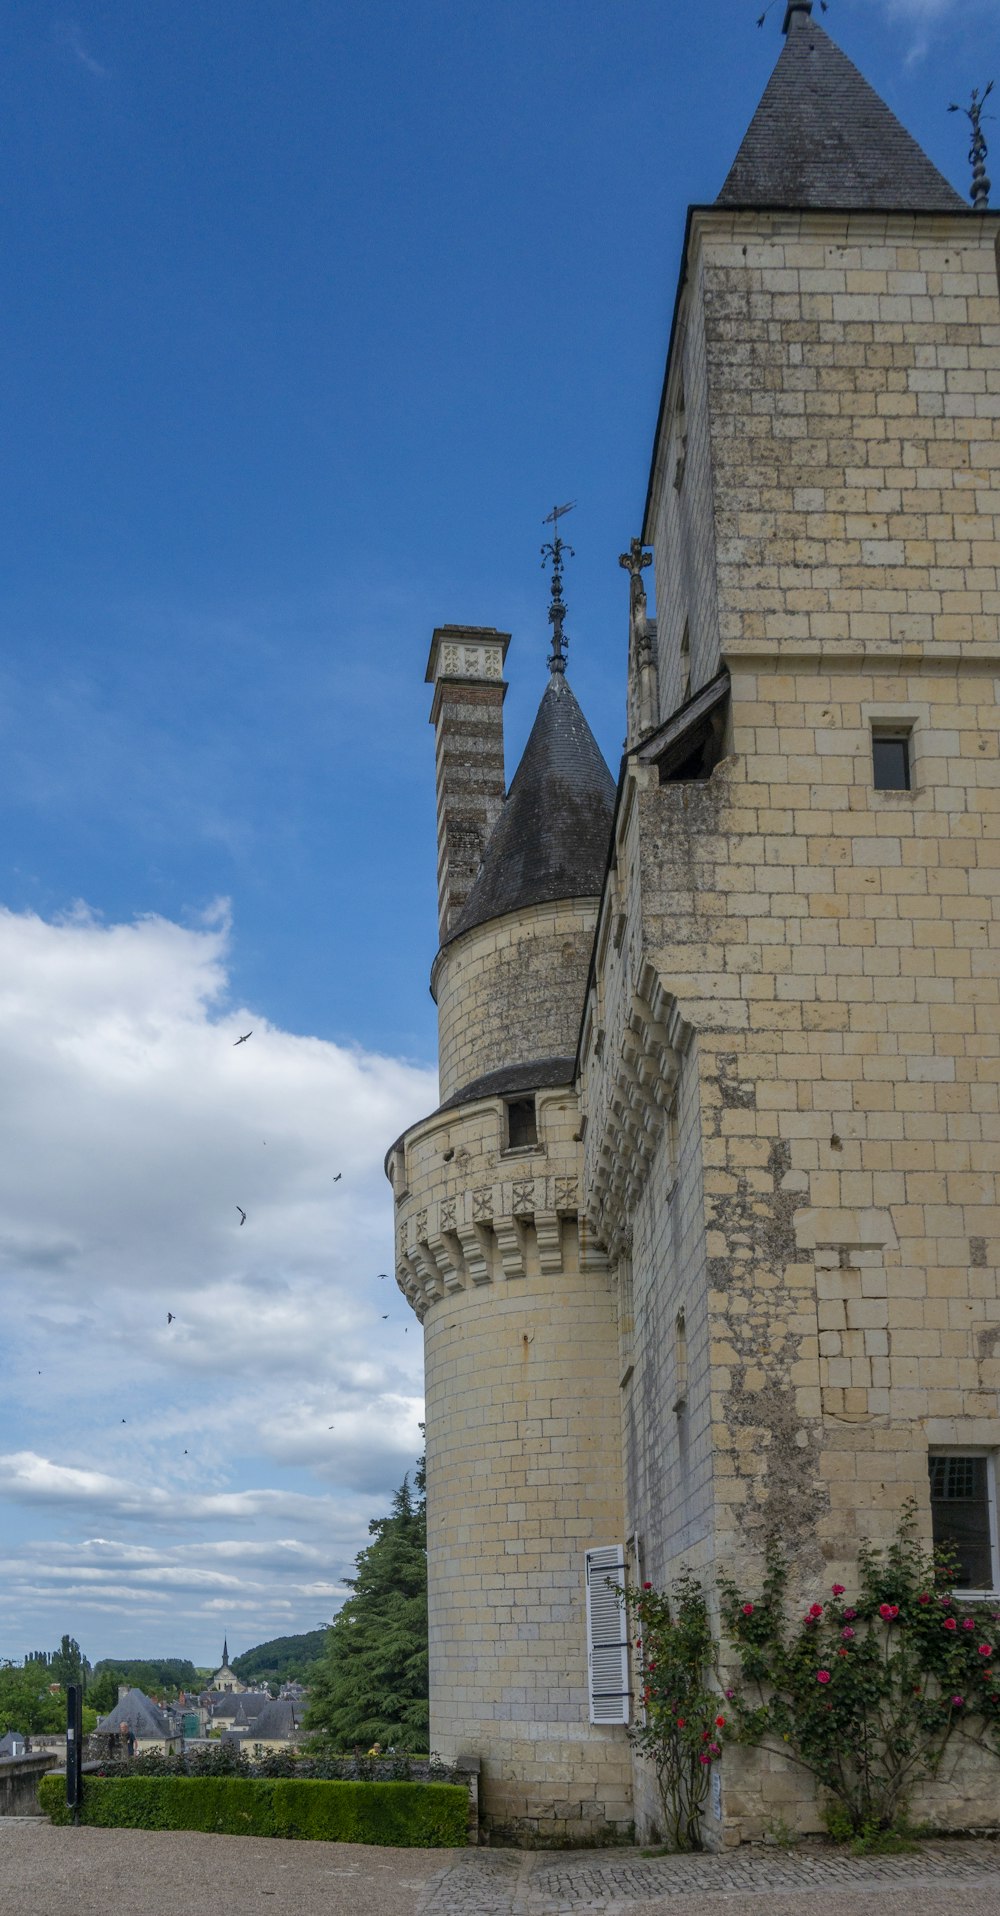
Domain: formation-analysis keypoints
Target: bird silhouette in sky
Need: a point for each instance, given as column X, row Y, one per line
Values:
column 338, row 1177
column 246, row 1035
column 170, row 1317
column 123, row 1420
column 243, row 1215
column 385, row 1317
column 382, row 1276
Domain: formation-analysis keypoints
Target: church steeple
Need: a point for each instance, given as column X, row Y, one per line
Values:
column 225, row 1654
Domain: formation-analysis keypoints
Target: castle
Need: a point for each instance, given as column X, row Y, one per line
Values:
column 704, row 1232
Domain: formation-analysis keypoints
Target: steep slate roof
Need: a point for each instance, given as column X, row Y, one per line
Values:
column 143, row 1716
column 551, row 839
column 539, row 1074
column 822, row 137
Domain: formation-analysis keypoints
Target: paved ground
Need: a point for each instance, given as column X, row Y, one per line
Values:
column 91, row 1872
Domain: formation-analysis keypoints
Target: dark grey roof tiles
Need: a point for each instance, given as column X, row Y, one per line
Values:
column 539, row 1074
column 822, row 137
column 279, row 1720
column 551, row 839
column 143, row 1717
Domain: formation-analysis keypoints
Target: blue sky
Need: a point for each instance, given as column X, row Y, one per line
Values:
column 312, row 312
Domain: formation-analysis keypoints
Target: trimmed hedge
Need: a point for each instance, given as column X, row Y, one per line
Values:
column 407, row 1815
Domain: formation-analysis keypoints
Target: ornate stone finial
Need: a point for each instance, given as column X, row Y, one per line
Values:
column 979, row 191
column 634, row 561
column 553, row 550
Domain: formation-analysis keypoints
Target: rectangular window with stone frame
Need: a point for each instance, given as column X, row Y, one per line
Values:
column 964, row 1516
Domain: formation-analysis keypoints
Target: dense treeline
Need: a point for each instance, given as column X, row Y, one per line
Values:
column 281, row 1659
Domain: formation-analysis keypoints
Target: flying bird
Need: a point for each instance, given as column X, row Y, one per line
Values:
column 170, row 1317
column 385, row 1317
column 246, row 1035
column 338, row 1177
column 123, row 1420
column 243, row 1215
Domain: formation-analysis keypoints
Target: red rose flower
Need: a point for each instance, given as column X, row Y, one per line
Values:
column 924, row 1597
column 888, row 1612
column 704, row 1757
column 647, row 1586
column 822, row 1676
column 720, row 1722
column 815, row 1612
column 986, row 1649
column 838, row 1589
column 681, row 1722
column 748, row 1609
column 950, row 1624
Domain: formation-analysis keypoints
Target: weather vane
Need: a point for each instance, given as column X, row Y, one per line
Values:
column 553, row 550
column 979, row 192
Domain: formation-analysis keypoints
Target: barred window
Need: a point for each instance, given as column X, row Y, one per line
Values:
column 962, row 1518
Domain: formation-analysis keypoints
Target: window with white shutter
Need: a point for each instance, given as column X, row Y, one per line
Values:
column 607, row 1636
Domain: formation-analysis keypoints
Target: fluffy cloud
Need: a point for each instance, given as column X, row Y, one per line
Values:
column 278, row 1400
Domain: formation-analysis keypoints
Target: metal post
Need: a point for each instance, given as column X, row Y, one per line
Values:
column 74, row 1749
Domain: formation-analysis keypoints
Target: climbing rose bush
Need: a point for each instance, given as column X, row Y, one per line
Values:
column 683, row 1718
column 866, row 1695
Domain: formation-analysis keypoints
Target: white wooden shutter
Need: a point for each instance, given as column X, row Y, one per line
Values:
column 607, row 1636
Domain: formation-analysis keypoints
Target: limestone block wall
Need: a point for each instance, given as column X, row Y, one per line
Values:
column 511, row 990
column 682, row 528
column 523, row 1471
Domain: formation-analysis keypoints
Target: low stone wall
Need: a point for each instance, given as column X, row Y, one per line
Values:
column 19, row 1777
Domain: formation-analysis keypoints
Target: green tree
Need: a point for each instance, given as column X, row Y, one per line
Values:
column 102, row 1694
column 281, row 1658
column 26, row 1704
column 67, row 1665
column 371, row 1686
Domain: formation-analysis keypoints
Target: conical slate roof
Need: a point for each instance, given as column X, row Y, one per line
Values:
column 822, row 137
column 551, row 839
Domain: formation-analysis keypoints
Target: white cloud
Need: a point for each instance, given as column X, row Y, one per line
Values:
column 131, row 1128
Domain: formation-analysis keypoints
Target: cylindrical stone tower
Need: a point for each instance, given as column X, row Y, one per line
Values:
column 523, row 1419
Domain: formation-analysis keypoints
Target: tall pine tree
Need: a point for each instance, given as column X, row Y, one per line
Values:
column 371, row 1686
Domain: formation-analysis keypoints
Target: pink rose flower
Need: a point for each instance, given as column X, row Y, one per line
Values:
column 704, row 1757
column 822, row 1676
column 838, row 1589
column 957, row 1702
column 714, row 1749
column 847, row 1634
column 986, row 1649
column 730, row 1695
column 950, row 1624
column 748, row 1609
column 888, row 1612
column 968, row 1623
column 849, row 1615
column 924, row 1597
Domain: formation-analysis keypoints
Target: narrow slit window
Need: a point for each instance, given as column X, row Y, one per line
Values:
column 891, row 761
column 962, row 1517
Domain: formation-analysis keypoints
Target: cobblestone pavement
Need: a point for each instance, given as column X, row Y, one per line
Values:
column 513, row 1883
column 89, row 1872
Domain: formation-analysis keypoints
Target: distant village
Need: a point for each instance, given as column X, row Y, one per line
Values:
column 228, row 1711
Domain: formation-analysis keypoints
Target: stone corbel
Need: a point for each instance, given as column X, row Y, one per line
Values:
column 510, row 1245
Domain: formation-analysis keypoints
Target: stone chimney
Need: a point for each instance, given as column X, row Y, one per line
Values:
column 466, row 670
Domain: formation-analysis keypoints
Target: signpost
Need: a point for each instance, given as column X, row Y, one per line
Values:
column 74, row 1749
